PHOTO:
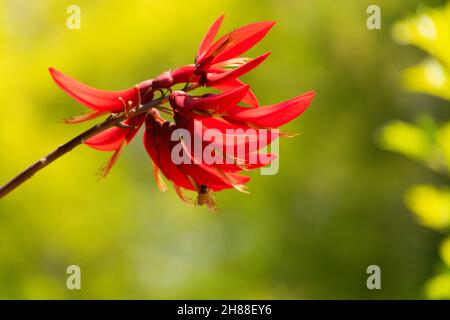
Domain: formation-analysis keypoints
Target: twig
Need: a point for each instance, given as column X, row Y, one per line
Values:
column 68, row 146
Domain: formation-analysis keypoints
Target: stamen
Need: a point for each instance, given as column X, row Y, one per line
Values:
column 181, row 194
column 159, row 181
column 126, row 126
column 124, row 105
column 83, row 117
column 241, row 188
column 230, row 180
column 289, row 134
column 240, row 163
column 149, row 89
column 103, row 171
column 139, row 95
column 157, row 117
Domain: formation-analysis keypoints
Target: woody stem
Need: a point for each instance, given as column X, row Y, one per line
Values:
column 68, row 146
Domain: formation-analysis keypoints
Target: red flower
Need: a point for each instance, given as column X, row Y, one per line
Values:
column 196, row 175
column 273, row 116
column 229, row 46
column 102, row 102
column 214, row 60
column 229, row 128
column 222, row 113
column 115, row 138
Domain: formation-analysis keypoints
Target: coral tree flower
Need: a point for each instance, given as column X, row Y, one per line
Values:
column 231, row 114
column 102, row 102
column 214, row 59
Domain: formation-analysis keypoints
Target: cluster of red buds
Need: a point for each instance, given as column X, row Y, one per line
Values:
column 231, row 112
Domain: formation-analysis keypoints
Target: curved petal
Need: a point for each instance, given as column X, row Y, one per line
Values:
column 157, row 143
column 230, row 84
column 275, row 115
column 95, row 99
column 232, row 142
column 113, row 138
column 108, row 140
column 185, row 175
column 236, row 42
column 217, row 103
column 209, row 36
column 207, row 175
column 213, row 79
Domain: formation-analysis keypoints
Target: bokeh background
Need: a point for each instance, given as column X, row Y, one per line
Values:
column 336, row 206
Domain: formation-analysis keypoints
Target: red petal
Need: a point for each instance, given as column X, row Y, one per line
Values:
column 238, row 41
column 95, row 99
column 189, row 176
column 275, row 115
column 113, row 138
column 157, row 143
column 237, row 140
column 108, row 140
column 184, row 74
column 209, row 176
column 231, row 84
column 219, row 103
column 209, row 36
column 213, row 79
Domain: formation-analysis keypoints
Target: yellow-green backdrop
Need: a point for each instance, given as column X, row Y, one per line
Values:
column 310, row 231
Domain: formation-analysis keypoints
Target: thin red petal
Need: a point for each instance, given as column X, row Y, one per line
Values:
column 111, row 139
column 275, row 115
column 158, row 145
column 238, row 41
column 108, row 140
column 214, row 79
column 209, row 176
column 219, row 103
column 230, row 84
column 238, row 140
column 209, row 36
column 95, row 99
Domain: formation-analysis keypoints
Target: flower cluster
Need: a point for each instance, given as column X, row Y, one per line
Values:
column 231, row 112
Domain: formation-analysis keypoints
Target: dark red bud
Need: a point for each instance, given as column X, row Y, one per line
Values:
column 177, row 99
column 163, row 81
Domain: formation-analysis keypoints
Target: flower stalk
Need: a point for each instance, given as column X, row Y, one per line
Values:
column 110, row 122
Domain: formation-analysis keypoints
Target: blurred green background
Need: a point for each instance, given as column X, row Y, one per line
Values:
column 334, row 208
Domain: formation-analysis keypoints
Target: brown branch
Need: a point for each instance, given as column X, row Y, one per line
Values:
column 68, row 146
